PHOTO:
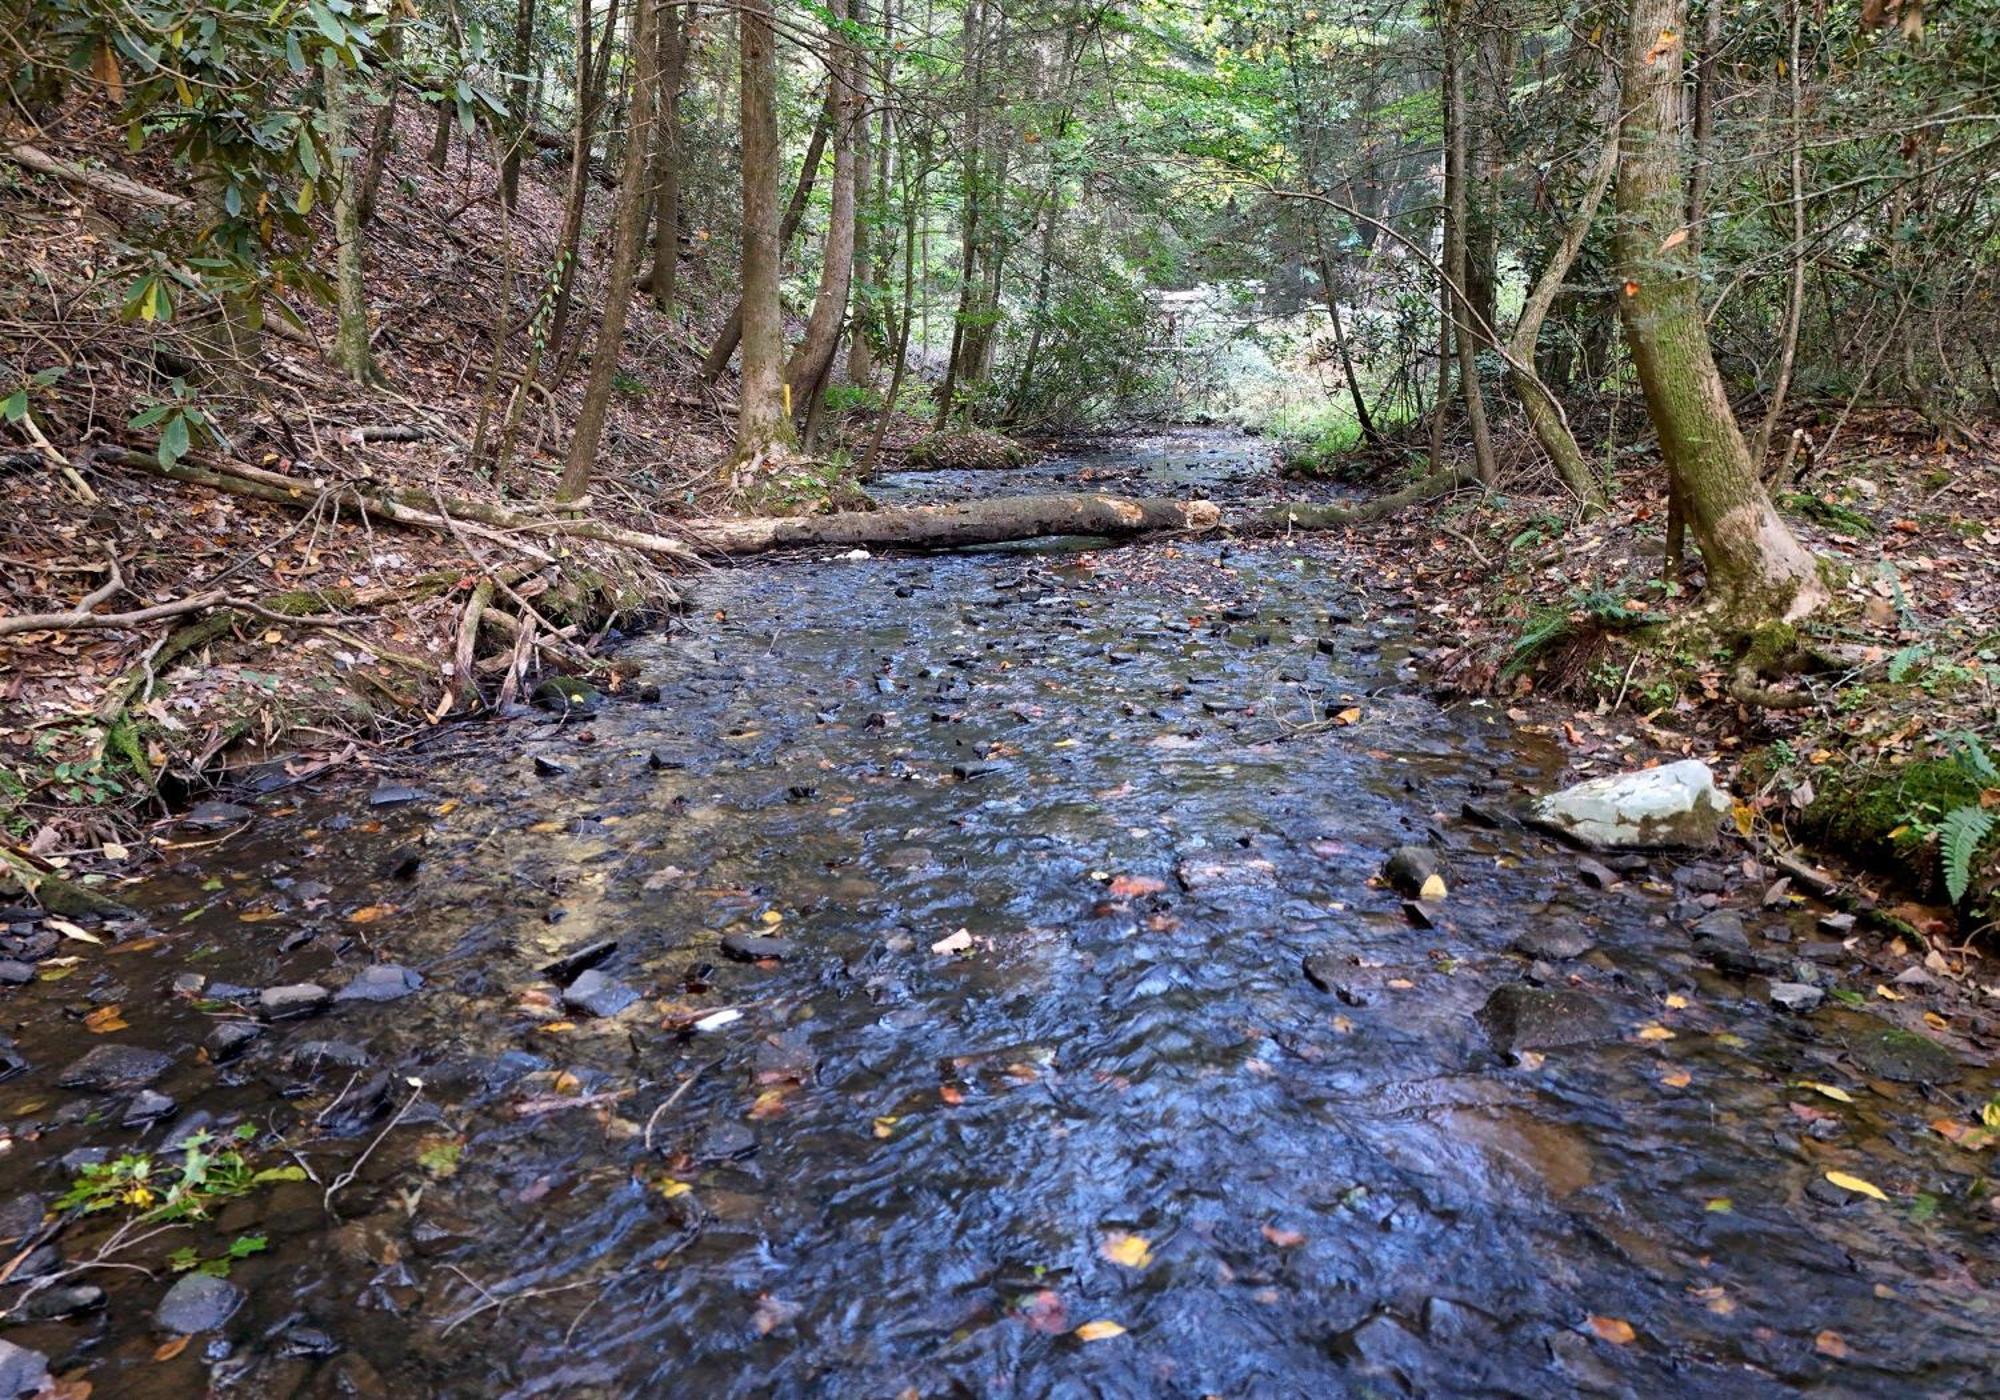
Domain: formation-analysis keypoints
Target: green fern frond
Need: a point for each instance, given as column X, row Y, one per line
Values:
column 1959, row 836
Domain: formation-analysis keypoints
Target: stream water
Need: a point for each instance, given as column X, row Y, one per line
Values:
column 1137, row 781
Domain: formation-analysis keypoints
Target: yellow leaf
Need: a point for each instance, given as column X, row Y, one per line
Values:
column 1615, row 1330
column 1830, row 1343
column 1655, row 1033
column 1887, row 995
column 1856, row 1184
column 1719, row 1205
column 105, row 1018
column 1745, row 816
column 1101, row 1330
column 671, row 1188
column 886, row 1127
column 1935, row 1021
column 1677, row 1079
column 445, row 808
column 546, row 827
column 1130, row 1251
column 1433, row 888
column 1350, row 715
column 554, row 1026
column 772, row 916
column 1832, row 1091
column 566, row 1083
column 1677, row 1002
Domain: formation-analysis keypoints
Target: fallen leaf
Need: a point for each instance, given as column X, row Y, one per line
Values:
column 1433, row 888
column 670, row 1188
column 1102, row 1330
column 1350, row 715
column 1283, row 1239
column 168, row 1350
column 1677, row 1002
column 371, row 913
column 951, row 1094
column 1615, row 1330
column 70, row 930
column 1830, row 1343
column 1044, row 1311
column 1655, row 1033
column 1127, row 1251
column 105, row 1018
column 1832, row 1091
column 1677, row 1079
column 1854, row 1183
column 1130, row 886
column 886, row 1126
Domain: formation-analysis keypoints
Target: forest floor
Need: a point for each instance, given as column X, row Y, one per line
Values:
column 1523, row 599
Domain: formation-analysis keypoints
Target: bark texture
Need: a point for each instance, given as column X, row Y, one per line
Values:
column 763, row 423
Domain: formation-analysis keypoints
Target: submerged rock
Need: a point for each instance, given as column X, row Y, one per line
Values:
column 22, row 1372
column 1520, row 1017
column 1555, row 943
column 595, row 994
column 1904, row 1057
column 1408, row 867
column 1676, row 804
column 381, row 982
column 566, row 695
column 198, row 1303
column 229, row 1039
column 755, row 947
column 113, row 1069
column 298, row 999
column 1799, row 997
column 566, row 969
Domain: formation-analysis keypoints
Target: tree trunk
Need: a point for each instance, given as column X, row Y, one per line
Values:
column 667, row 159
column 629, row 229
column 1757, row 570
column 964, row 523
column 351, row 352
column 1545, row 415
column 383, row 136
column 1704, row 125
column 813, row 360
column 1332, row 300
column 590, row 80
column 440, row 156
column 1795, row 297
column 518, row 119
column 861, row 318
column 764, row 425
column 1454, row 241
column 731, row 334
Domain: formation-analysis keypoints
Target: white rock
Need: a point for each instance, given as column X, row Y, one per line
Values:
column 1676, row 804
column 857, row 554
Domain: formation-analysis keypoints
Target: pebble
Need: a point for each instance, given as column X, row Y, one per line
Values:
column 15, row 974
column 62, row 1302
column 548, row 767
column 725, row 1141
column 297, row 999
column 659, row 760
column 310, row 1056
column 381, row 982
column 1839, row 925
column 1596, row 873
column 595, row 994
column 198, row 1303
column 116, row 1069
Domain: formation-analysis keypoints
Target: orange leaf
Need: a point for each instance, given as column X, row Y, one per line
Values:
column 368, row 914
column 1615, row 1330
column 951, row 1094
column 168, row 1350
column 105, row 1018
column 1830, row 1343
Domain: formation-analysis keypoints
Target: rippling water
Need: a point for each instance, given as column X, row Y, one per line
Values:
column 910, row 1172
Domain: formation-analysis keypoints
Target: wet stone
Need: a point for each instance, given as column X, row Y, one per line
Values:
column 297, row 999
column 215, row 814
column 726, row 1141
column 755, row 947
column 548, row 767
column 112, row 1069
column 62, row 1302
column 1904, row 1057
column 20, row 1216
column 1839, row 925
column 1553, row 942
column 1520, row 1017
column 147, row 1106
column 595, row 994
column 229, row 1039
column 1596, row 873
column 312, row 1056
column 577, row 961
column 1798, row 997
column 198, row 1303
column 566, row 695
column 22, row 1372
column 1408, row 867
column 381, row 982
column 14, row 973
column 397, row 794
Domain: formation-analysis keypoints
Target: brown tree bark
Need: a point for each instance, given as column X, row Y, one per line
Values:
column 517, row 118
column 667, row 158
column 731, row 335
column 1456, row 195
column 764, row 424
column 812, row 361
column 351, row 352
column 629, row 229
column 1757, row 570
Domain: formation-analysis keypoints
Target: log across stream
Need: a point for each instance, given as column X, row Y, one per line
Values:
column 969, row 977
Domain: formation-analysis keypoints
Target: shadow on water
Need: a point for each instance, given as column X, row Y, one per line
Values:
column 904, row 1171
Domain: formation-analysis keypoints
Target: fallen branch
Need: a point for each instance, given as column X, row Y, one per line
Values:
column 181, row 607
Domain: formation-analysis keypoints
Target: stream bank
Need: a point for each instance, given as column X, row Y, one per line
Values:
column 971, row 976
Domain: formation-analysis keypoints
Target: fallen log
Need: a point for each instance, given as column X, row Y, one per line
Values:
column 1280, row 518
column 103, row 181
column 966, row 523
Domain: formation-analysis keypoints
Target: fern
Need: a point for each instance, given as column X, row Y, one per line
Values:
column 1972, row 755
column 1959, row 835
column 1906, row 661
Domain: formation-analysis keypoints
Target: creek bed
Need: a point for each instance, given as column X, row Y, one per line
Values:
column 1130, row 796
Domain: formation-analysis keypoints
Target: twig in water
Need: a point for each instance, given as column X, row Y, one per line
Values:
column 670, row 1100
column 346, row 1178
